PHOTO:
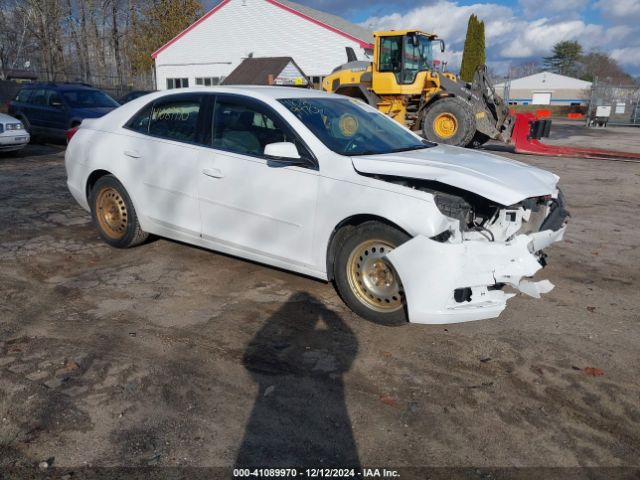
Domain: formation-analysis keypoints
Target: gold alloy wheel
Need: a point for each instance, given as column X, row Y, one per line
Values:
column 445, row 125
column 111, row 212
column 372, row 278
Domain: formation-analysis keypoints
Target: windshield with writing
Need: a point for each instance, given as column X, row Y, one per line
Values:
column 350, row 127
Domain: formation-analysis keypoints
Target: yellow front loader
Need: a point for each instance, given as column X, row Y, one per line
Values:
column 402, row 82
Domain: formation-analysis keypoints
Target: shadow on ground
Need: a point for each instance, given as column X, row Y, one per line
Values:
column 300, row 416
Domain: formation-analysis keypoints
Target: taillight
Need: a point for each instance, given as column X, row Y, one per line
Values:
column 71, row 132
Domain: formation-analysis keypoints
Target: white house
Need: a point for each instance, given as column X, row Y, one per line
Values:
column 546, row 88
column 211, row 48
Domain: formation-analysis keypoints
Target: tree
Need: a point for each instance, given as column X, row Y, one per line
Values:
column 524, row 69
column 159, row 22
column 565, row 59
column 604, row 68
column 15, row 42
column 474, row 49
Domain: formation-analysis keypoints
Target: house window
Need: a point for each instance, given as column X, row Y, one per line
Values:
column 208, row 81
column 177, row 83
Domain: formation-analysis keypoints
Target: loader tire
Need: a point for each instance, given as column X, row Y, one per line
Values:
column 449, row 121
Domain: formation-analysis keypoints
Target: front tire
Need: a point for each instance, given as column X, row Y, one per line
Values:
column 364, row 278
column 449, row 120
column 113, row 214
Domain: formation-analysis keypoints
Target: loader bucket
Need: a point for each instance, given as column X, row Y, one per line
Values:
column 527, row 131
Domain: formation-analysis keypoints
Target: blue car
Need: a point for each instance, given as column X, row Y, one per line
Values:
column 50, row 109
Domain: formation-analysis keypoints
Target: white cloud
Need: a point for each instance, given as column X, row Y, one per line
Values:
column 626, row 11
column 627, row 56
column 533, row 7
column 515, row 38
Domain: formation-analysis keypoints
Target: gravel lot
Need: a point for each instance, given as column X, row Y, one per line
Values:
column 170, row 355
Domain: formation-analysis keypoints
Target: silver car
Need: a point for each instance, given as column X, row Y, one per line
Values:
column 13, row 135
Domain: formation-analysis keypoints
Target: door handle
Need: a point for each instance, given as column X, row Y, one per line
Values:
column 132, row 153
column 213, row 172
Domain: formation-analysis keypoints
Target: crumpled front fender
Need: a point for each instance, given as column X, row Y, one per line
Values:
column 431, row 271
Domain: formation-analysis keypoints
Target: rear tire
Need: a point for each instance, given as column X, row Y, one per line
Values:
column 449, row 120
column 113, row 214
column 364, row 279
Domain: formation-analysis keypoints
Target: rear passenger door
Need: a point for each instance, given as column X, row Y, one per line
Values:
column 36, row 110
column 263, row 207
column 162, row 153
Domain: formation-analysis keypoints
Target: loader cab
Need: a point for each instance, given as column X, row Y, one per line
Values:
column 402, row 60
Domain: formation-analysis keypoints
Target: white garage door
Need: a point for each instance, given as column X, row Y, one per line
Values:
column 541, row 98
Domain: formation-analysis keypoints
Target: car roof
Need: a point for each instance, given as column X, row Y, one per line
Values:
column 60, row 86
column 259, row 91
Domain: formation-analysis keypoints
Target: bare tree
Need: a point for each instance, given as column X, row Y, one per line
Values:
column 16, row 43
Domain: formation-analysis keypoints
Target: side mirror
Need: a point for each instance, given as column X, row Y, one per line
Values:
column 282, row 150
column 442, row 46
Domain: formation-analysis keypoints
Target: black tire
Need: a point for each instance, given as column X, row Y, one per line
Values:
column 113, row 214
column 460, row 111
column 349, row 244
column 479, row 139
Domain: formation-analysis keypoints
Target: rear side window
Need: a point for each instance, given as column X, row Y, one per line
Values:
column 140, row 123
column 23, row 96
column 176, row 119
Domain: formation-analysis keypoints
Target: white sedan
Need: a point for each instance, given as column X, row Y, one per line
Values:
column 13, row 135
column 326, row 186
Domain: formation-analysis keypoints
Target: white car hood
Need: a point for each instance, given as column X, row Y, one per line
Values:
column 496, row 178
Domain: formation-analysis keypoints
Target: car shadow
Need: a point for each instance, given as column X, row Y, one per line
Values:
column 299, row 418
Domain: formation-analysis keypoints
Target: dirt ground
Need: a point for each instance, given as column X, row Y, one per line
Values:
column 170, row 355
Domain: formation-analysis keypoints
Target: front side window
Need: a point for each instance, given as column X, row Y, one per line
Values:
column 350, row 127
column 39, row 97
column 89, row 99
column 174, row 119
column 245, row 128
column 53, row 98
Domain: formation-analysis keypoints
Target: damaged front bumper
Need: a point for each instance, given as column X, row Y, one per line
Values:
column 434, row 273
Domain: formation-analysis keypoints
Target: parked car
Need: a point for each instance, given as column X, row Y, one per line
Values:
column 322, row 185
column 50, row 109
column 133, row 95
column 13, row 135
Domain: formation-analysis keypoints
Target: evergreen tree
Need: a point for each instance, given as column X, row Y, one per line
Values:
column 474, row 49
column 481, row 45
column 565, row 59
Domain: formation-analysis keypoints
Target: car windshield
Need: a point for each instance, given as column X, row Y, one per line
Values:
column 351, row 127
column 89, row 99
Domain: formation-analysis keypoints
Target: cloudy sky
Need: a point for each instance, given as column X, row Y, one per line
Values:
column 516, row 31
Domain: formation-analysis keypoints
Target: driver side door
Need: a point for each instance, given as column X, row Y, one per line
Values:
column 250, row 203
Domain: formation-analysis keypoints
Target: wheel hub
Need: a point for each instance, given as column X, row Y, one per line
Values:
column 445, row 125
column 111, row 212
column 372, row 277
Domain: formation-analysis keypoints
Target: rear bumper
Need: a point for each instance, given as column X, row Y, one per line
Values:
column 432, row 271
